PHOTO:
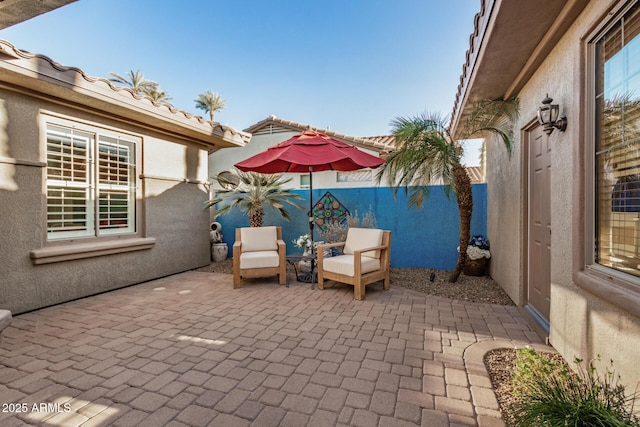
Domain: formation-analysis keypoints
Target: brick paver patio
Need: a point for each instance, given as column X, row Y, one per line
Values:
column 188, row 350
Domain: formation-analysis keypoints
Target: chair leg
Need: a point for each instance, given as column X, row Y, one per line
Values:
column 320, row 283
column 387, row 282
column 358, row 290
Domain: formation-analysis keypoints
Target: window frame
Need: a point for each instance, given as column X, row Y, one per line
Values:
column 614, row 286
column 97, row 137
column 71, row 247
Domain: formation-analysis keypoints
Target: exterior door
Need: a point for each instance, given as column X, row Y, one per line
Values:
column 539, row 250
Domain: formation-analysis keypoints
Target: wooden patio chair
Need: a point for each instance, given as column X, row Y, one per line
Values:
column 259, row 252
column 366, row 259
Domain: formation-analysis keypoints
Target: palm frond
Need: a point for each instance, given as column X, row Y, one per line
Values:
column 493, row 118
column 210, row 102
column 424, row 156
column 253, row 190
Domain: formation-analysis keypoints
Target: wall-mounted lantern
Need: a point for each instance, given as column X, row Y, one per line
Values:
column 548, row 116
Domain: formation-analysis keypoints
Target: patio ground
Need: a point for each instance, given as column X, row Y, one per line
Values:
column 190, row 350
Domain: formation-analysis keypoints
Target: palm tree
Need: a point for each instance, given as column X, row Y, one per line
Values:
column 158, row 95
column 135, row 81
column 210, row 102
column 252, row 193
column 427, row 153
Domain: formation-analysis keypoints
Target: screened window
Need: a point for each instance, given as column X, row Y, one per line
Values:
column 617, row 144
column 363, row 175
column 91, row 183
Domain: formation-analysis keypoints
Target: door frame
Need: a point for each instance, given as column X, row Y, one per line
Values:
column 540, row 322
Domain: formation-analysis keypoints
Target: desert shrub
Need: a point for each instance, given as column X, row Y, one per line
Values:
column 550, row 394
column 338, row 232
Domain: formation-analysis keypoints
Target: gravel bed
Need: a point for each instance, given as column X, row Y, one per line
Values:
column 481, row 289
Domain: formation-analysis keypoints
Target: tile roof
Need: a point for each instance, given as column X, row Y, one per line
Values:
column 381, row 144
column 42, row 74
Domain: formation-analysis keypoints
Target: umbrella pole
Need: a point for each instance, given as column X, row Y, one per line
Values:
column 311, row 206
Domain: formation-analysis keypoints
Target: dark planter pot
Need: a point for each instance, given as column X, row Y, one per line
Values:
column 476, row 267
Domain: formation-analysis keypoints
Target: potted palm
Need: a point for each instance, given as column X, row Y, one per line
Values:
column 478, row 255
column 250, row 192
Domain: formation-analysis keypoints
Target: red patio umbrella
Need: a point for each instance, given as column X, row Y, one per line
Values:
column 310, row 151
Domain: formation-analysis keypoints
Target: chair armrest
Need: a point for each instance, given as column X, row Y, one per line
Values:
column 237, row 248
column 357, row 255
column 330, row 245
column 372, row 248
column 281, row 245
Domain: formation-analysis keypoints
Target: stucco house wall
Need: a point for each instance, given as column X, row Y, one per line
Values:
column 172, row 228
column 274, row 130
column 581, row 324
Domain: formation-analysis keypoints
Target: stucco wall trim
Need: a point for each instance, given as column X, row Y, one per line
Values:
column 18, row 162
column 614, row 291
column 75, row 251
column 172, row 179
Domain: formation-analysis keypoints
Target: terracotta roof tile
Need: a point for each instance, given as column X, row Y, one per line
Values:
column 380, row 144
column 34, row 64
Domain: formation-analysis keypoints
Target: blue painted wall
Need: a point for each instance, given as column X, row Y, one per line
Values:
column 425, row 237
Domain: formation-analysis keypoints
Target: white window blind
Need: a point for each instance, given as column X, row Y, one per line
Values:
column 91, row 184
column 116, row 185
column 617, row 150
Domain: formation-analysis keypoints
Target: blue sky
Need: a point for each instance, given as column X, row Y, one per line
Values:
column 352, row 65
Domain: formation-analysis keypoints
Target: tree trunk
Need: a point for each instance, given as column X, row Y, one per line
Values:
column 256, row 216
column 464, row 195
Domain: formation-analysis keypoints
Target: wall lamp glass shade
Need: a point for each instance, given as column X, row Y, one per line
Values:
column 548, row 116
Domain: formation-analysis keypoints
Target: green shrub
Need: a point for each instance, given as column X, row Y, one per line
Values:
column 550, row 394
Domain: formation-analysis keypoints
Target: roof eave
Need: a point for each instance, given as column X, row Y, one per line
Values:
column 509, row 42
column 39, row 76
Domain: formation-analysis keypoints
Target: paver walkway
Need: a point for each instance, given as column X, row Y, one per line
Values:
column 190, row 350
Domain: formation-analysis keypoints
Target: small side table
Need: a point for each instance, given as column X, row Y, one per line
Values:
column 310, row 277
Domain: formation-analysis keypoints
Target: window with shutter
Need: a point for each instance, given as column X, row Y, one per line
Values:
column 91, row 182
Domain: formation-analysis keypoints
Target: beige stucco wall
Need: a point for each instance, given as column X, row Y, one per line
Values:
column 172, row 211
column 581, row 324
column 225, row 158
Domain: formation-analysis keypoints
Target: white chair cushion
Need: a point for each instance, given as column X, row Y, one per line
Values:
column 343, row 264
column 259, row 239
column 361, row 238
column 259, row 259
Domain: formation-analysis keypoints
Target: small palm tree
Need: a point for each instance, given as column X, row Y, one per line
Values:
column 210, row 102
column 135, row 81
column 158, row 95
column 254, row 192
column 428, row 153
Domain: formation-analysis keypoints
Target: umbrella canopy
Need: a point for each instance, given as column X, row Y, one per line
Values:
column 307, row 150
column 310, row 151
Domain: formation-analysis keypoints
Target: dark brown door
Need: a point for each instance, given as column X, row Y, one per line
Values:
column 539, row 256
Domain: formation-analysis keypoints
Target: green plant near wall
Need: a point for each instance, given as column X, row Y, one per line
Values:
column 334, row 233
column 251, row 192
column 550, row 394
column 427, row 153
